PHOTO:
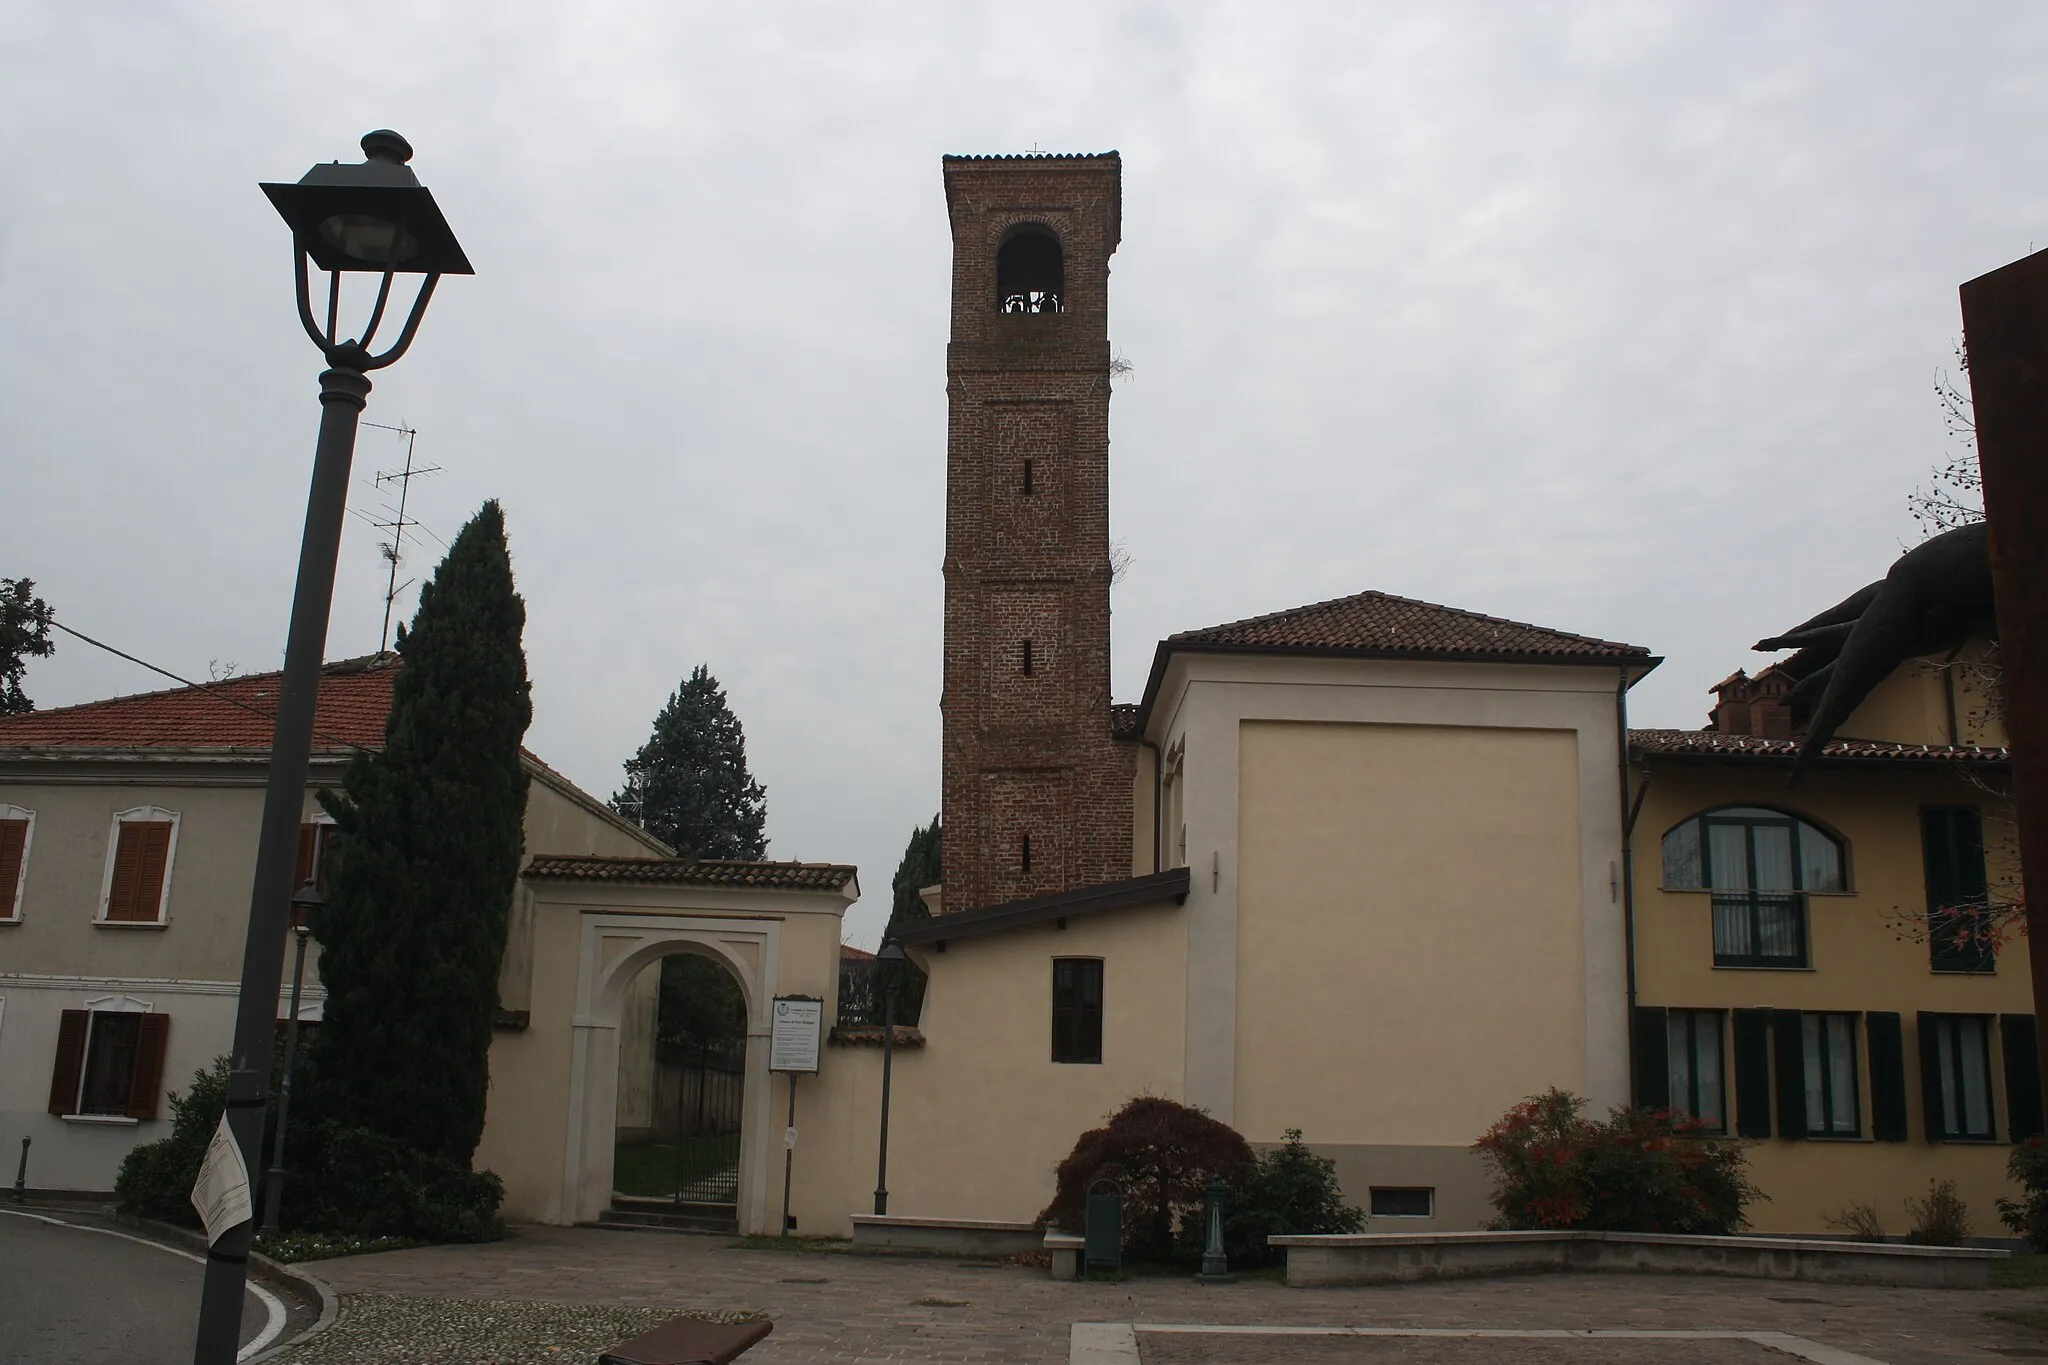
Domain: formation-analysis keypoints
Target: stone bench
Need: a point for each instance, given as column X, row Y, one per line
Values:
column 902, row 1234
column 1067, row 1249
column 689, row 1341
column 1398, row 1258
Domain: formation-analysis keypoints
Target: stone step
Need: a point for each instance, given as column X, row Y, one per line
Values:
column 666, row 1216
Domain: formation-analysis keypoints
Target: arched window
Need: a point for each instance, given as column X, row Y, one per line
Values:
column 1030, row 272
column 1759, row 863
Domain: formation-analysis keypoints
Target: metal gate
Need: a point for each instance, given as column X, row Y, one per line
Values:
column 695, row 1155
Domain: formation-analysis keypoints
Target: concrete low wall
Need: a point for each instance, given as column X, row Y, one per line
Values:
column 1393, row 1258
column 901, row 1235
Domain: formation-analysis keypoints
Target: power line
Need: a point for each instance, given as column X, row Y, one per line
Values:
column 215, row 693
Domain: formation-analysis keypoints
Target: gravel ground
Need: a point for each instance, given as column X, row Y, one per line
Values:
column 374, row 1329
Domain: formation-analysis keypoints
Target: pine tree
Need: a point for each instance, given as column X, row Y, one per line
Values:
column 415, row 920
column 689, row 785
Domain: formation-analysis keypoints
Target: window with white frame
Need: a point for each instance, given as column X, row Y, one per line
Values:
column 110, row 1061
column 140, row 851
column 17, row 833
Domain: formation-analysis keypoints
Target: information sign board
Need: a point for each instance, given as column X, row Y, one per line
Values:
column 793, row 1038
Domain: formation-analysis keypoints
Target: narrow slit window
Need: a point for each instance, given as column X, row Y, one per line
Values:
column 1027, row 478
column 1027, row 658
column 1025, row 859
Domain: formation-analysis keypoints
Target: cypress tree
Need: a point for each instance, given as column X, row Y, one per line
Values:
column 920, row 868
column 415, row 920
column 689, row 784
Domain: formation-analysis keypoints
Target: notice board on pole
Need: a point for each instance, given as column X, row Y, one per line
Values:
column 794, row 1029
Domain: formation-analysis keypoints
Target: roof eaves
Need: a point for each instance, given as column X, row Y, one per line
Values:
column 1172, row 885
column 1639, row 664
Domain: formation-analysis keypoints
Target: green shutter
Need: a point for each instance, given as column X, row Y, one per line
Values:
column 1752, row 1073
column 1887, row 1075
column 1930, row 1079
column 1653, row 1058
column 2022, row 1074
column 1791, row 1059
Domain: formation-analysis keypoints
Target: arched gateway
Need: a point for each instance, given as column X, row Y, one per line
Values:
column 582, row 932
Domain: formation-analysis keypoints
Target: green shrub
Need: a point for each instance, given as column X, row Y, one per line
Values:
column 354, row 1183
column 1942, row 1219
column 156, row 1178
column 318, row 1246
column 1640, row 1171
column 2028, row 1216
column 1288, row 1190
column 1860, row 1221
column 1162, row 1155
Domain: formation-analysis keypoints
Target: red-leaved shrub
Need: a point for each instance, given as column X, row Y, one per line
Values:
column 1162, row 1155
column 1641, row 1171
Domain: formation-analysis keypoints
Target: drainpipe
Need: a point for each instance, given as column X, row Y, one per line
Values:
column 1628, row 876
column 1158, row 798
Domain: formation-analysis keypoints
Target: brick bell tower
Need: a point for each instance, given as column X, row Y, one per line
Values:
column 1036, row 795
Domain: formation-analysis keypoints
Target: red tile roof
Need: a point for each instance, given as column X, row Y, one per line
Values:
column 696, row 872
column 355, row 697
column 1715, row 744
column 1379, row 623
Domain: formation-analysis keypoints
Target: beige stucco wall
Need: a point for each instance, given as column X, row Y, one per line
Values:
column 1214, row 714
column 553, row 1110
column 1862, row 961
column 981, row 1115
column 1913, row 705
column 1409, row 949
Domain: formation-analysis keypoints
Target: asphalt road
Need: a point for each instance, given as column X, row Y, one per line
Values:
column 72, row 1294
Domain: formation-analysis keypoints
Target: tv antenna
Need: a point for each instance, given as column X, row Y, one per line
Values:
column 394, row 549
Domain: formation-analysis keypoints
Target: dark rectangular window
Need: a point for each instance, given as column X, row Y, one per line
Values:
column 1027, row 476
column 1952, row 849
column 1403, row 1201
column 1077, row 1009
column 1962, row 1075
column 1027, row 658
column 1693, row 1061
column 110, row 1050
column 1828, row 1048
column 1760, row 929
column 1024, row 855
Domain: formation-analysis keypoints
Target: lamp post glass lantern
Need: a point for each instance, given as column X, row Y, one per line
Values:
column 374, row 217
column 888, row 962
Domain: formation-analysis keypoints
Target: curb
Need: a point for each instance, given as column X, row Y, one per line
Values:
column 306, row 1286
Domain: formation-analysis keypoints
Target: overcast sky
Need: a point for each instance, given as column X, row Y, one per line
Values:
column 1621, row 319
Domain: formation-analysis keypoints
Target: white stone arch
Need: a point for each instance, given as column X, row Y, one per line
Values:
column 615, row 949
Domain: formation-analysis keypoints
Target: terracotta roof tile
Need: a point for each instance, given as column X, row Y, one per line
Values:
column 355, row 697
column 1715, row 744
column 1382, row 624
column 696, row 872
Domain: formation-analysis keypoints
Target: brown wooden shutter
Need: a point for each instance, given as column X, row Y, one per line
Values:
column 71, row 1030
column 13, row 839
column 127, row 867
column 309, row 846
column 146, row 1082
column 140, row 861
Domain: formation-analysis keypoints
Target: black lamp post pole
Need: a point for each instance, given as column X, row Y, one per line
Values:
column 273, row 1181
column 342, row 393
column 887, row 971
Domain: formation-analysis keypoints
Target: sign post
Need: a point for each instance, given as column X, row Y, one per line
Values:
column 794, row 1033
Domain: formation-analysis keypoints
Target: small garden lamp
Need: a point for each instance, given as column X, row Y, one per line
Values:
column 304, row 905
column 888, row 962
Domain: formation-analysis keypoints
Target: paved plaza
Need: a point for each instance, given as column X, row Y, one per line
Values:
column 835, row 1307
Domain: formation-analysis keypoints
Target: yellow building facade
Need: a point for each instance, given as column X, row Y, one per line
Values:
column 1797, row 982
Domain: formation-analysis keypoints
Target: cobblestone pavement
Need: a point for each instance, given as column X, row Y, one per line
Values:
column 840, row 1308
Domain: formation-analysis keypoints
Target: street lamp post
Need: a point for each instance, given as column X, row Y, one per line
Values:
column 375, row 217
column 886, row 966
column 304, row 906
